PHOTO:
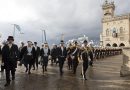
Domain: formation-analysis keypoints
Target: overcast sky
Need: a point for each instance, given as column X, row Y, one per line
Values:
column 71, row 17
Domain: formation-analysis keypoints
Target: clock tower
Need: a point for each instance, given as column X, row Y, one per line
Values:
column 108, row 9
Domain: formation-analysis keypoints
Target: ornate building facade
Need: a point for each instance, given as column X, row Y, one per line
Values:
column 115, row 29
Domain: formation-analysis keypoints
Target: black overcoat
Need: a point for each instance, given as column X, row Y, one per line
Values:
column 10, row 56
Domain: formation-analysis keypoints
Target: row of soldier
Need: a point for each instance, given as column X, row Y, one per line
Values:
column 101, row 53
column 29, row 56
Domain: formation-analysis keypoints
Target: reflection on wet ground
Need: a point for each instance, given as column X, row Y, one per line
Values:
column 105, row 75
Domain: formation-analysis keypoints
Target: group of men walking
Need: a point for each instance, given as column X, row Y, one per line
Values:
column 29, row 56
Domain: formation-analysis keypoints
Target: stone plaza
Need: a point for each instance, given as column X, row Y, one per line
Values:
column 104, row 75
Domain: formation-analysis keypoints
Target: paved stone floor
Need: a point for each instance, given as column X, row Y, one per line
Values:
column 105, row 75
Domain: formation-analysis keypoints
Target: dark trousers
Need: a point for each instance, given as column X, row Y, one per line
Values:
column 97, row 56
column 75, row 65
column 85, row 67
column 44, row 63
column 91, row 62
column 2, row 68
column 53, row 60
column 61, row 64
column 28, row 66
column 8, row 70
column 28, row 62
column 69, row 63
column 35, row 63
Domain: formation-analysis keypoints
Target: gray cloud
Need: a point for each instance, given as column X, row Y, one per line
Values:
column 71, row 17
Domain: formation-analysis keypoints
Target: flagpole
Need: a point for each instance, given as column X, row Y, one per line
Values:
column 14, row 31
column 45, row 35
column 42, row 36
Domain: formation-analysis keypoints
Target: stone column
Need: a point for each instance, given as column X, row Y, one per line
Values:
column 125, row 68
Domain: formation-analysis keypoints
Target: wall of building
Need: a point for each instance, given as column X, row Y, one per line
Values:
column 123, row 37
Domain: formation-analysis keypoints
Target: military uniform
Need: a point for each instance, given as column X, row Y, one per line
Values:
column 85, row 54
column 85, row 63
column 74, row 55
column 90, row 53
column 69, row 58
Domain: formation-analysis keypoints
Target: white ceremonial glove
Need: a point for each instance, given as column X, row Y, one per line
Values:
column 2, row 64
column 72, row 57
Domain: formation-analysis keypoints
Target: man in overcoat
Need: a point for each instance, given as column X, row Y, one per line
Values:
column 10, row 55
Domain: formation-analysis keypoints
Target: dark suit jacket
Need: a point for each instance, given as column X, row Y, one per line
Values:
column 85, row 56
column 24, row 52
column 54, row 52
column 42, row 53
column 37, row 52
column 0, row 50
column 10, row 56
column 64, row 53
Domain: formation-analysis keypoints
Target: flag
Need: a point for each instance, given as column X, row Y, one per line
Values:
column 17, row 27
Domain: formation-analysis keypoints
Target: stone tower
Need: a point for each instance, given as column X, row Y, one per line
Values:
column 108, row 9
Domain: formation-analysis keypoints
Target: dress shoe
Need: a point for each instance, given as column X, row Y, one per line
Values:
column 34, row 68
column 85, row 79
column 7, row 84
column 26, row 70
column 29, row 72
column 13, row 78
column 46, row 70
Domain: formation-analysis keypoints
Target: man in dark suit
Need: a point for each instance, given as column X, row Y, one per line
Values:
column 20, row 48
column 10, row 55
column 28, row 56
column 0, row 50
column 62, row 54
column 54, row 53
column 2, row 68
column 45, row 52
column 37, row 52
column 0, row 57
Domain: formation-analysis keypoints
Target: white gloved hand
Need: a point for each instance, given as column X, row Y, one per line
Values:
column 2, row 64
column 50, row 57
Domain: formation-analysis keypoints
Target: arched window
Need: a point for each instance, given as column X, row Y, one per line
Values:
column 108, row 45
column 122, row 45
column 114, row 33
column 114, row 45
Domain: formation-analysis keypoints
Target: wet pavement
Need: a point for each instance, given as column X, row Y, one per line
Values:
column 105, row 75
